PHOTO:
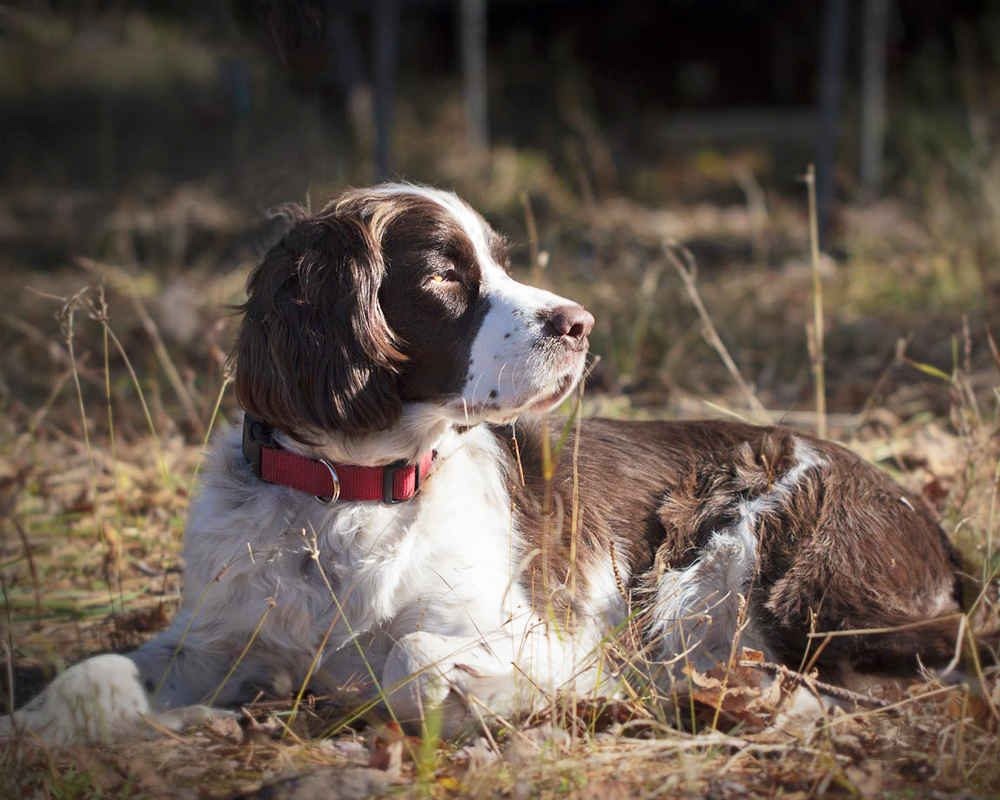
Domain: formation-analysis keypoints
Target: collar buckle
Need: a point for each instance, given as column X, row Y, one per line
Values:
column 389, row 480
column 257, row 435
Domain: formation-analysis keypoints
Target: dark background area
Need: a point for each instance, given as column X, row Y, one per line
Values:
column 631, row 66
column 154, row 138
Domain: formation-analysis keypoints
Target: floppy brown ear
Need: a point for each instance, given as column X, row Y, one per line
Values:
column 314, row 352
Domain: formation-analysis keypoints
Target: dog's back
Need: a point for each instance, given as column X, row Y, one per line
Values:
column 700, row 514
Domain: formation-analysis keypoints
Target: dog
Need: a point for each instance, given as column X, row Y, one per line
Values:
column 395, row 513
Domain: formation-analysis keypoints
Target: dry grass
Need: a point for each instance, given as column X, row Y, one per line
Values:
column 96, row 478
column 113, row 373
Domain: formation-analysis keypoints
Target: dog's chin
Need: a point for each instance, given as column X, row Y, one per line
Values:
column 551, row 399
column 540, row 402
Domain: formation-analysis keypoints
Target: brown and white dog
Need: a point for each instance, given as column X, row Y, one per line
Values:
column 383, row 337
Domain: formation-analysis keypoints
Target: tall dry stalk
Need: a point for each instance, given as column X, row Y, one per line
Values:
column 814, row 331
column 159, row 346
column 107, row 536
column 534, row 251
column 271, row 605
column 99, row 315
column 227, row 379
column 756, row 213
column 67, row 315
column 686, row 270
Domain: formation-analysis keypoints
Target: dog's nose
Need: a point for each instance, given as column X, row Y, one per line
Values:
column 571, row 320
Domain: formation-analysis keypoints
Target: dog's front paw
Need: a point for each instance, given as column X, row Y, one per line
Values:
column 96, row 700
column 463, row 679
column 419, row 673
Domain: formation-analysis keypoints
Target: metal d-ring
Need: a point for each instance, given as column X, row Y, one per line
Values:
column 336, row 484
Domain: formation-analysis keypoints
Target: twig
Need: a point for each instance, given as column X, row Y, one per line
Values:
column 889, row 629
column 687, row 272
column 35, row 585
column 838, row 692
column 711, row 740
column 313, row 703
column 163, row 730
column 856, row 715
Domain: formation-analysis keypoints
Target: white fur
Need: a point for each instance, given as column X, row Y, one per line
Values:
column 512, row 367
column 97, row 700
column 606, row 603
column 393, row 569
column 428, row 588
column 697, row 610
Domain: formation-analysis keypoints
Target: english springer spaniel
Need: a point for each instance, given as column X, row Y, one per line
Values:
column 394, row 513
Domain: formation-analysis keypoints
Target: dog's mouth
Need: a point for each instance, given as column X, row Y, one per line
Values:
column 568, row 376
column 552, row 400
column 504, row 410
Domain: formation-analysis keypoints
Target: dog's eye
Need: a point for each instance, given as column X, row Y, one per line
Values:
column 446, row 276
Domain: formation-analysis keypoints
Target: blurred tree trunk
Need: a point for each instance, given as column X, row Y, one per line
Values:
column 472, row 26
column 386, row 57
column 873, row 114
column 346, row 72
column 831, row 84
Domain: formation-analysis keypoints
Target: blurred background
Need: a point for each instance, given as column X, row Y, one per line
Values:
column 150, row 139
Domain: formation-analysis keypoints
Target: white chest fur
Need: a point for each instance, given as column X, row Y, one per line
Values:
column 442, row 563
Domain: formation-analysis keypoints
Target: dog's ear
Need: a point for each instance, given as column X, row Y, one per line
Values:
column 314, row 352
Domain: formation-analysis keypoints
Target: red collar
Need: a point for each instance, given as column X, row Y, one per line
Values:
column 329, row 482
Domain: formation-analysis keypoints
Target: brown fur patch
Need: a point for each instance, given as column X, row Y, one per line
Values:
column 314, row 351
column 341, row 325
column 843, row 548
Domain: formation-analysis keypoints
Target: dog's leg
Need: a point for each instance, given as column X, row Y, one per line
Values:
column 107, row 697
column 429, row 673
column 102, row 699
column 96, row 700
column 181, row 666
column 699, row 610
column 470, row 679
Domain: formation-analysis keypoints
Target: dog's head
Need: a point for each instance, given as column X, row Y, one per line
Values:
column 399, row 295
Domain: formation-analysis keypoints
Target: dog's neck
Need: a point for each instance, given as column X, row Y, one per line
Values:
column 421, row 428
